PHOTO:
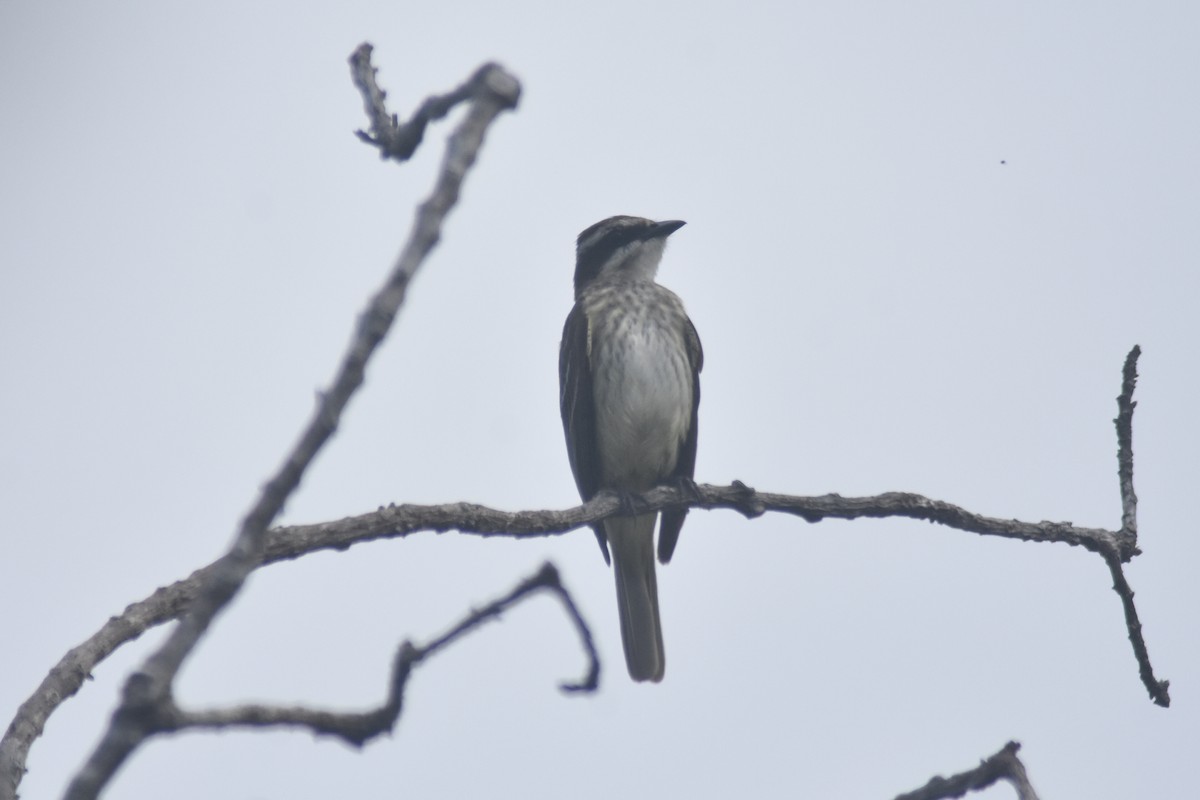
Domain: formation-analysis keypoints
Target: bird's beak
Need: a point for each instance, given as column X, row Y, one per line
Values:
column 661, row 230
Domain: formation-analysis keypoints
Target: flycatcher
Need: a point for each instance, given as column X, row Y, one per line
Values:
column 629, row 381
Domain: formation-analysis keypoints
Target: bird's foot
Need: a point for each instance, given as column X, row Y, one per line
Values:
column 625, row 502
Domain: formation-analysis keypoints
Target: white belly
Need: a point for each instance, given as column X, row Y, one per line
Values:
column 642, row 387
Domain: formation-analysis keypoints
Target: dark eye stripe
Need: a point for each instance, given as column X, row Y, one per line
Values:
column 596, row 245
column 621, row 236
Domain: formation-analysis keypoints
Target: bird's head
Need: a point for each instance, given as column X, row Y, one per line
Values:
column 621, row 247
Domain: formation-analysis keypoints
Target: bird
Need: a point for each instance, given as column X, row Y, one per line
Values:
column 629, row 390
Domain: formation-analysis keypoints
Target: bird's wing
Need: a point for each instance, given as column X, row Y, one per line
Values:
column 578, row 410
column 685, row 465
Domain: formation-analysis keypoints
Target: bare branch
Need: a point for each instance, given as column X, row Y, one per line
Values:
column 285, row 543
column 400, row 141
column 68, row 675
column 477, row 520
column 1124, row 423
column 1158, row 689
column 1004, row 765
column 146, row 704
column 293, row 542
column 358, row 728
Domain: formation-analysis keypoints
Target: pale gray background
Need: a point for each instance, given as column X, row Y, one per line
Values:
column 189, row 230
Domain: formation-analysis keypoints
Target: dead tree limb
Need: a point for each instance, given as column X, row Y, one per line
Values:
column 357, row 728
column 147, row 694
column 1004, row 765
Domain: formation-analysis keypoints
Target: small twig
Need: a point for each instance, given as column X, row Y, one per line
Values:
column 357, row 728
column 546, row 578
column 1158, row 689
column 1004, row 765
column 398, row 140
column 146, row 705
column 1124, row 423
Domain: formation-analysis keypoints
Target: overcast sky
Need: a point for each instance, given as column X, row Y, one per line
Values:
column 922, row 237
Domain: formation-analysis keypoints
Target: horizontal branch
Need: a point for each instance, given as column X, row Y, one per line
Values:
column 396, row 521
column 470, row 518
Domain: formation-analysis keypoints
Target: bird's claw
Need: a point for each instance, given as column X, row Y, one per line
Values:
column 626, row 506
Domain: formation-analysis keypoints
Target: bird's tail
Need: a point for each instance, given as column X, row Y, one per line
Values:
column 632, row 543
